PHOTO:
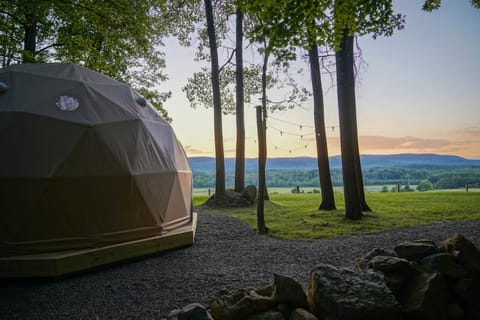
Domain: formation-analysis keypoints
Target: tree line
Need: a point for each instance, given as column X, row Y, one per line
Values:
column 441, row 177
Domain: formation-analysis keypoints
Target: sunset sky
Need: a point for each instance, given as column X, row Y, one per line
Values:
column 419, row 92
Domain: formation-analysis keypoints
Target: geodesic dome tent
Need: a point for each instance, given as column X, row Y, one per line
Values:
column 85, row 162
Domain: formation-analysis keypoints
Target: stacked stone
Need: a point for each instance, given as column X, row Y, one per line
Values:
column 430, row 281
column 417, row 280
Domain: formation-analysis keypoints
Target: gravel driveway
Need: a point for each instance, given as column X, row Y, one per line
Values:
column 227, row 253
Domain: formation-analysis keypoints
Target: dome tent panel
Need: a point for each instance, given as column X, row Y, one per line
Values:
column 168, row 143
column 178, row 202
column 104, row 178
column 156, row 190
column 32, row 144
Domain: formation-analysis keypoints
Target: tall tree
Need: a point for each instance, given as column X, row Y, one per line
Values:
column 267, row 32
column 240, row 117
column 217, row 103
column 326, row 186
column 346, row 110
column 304, row 24
column 350, row 17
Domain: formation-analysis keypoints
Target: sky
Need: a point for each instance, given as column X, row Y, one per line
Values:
column 417, row 92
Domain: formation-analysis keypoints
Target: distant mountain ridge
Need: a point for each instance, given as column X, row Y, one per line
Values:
column 207, row 164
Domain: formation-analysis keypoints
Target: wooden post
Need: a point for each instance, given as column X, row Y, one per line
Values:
column 261, row 173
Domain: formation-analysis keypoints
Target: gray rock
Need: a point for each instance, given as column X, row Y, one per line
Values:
column 284, row 309
column 396, row 282
column 363, row 260
column 415, row 250
column 250, row 193
column 301, row 314
column 267, row 315
column 286, row 290
column 443, row 263
column 341, row 293
column 194, row 311
column 238, row 304
column 387, row 264
column 425, row 297
column 455, row 312
column 468, row 253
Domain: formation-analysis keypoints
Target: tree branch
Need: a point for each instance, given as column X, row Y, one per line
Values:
column 228, row 61
column 14, row 17
column 49, row 46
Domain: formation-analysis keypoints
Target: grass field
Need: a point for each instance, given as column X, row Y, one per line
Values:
column 295, row 216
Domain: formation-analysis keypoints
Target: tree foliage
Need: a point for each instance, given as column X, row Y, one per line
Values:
column 431, row 5
column 199, row 90
column 118, row 38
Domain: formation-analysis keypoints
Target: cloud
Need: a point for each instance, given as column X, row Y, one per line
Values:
column 191, row 151
column 403, row 143
column 464, row 143
column 468, row 134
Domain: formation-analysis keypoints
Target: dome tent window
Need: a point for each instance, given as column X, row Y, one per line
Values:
column 3, row 87
column 66, row 103
column 142, row 102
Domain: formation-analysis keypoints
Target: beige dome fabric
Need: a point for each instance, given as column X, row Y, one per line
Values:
column 83, row 164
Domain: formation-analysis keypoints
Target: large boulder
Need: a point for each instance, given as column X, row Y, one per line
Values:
column 363, row 260
column 238, row 304
column 415, row 250
column 194, row 311
column 301, row 314
column 230, row 199
column 426, row 297
column 341, row 293
column 288, row 291
column 267, row 315
column 443, row 263
column 388, row 264
column 467, row 252
column 250, row 193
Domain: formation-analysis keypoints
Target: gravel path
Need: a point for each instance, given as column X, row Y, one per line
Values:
column 227, row 253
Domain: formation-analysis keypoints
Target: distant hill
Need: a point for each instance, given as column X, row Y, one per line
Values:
column 206, row 164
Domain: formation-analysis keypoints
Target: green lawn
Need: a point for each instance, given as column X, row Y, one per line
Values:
column 295, row 216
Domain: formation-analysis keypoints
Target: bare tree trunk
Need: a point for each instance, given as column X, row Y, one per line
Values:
column 262, row 229
column 240, row 149
column 217, row 104
column 358, row 166
column 326, row 187
column 264, row 119
column 346, row 111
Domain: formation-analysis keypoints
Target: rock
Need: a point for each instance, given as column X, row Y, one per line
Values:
column 455, row 312
column 266, row 290
column 468, row 253
column 238, row 304
column 395, row 282
column 363, row 260
column 467, row 295
column 286, row 290
column 415, row 250
column 301, row 314
column 284, row 309
column 194, row 311
column 387, row 264
column 230, row 199
column 443, row 263
column 250, row 193
column 425, row 297
column 341, row 293
column 267, row 315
